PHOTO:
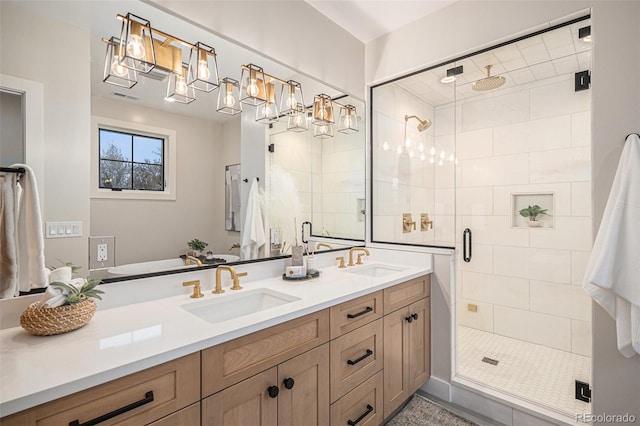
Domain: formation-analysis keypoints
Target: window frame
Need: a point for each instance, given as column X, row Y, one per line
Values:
column 170, row 171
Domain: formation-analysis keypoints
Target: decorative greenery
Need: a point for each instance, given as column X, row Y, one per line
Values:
column 532, row 212
column 77, row 295
column 74, row 268
column 197, row 245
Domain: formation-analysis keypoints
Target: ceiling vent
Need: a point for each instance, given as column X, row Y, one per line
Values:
column 155, row 75
column 124, row 96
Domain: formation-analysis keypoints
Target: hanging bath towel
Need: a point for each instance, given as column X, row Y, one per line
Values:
column 9, row 196
column 253, row 228
column 612, row 276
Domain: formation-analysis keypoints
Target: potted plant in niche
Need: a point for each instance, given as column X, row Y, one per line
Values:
column 197, row 247
column 532, row 212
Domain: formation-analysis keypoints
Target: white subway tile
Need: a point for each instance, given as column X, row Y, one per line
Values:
column 581, row 199
column 570, row 233
column 563, row 165
column 505, row 170
column 533, row 327
column 383, row 228
column 481, row 259
column 561, row 300
column 496, row 289
column 444, row 120
column 536, row 135
column 474, row 144
column 495, row 111
column 477, row 201
column 495, row 230
column 444, row 202
column 581, row 129
column 581, row 337
column 531, row 263
column 482, row 319
column 558, row 98
column 444, row 230
column 579, row 261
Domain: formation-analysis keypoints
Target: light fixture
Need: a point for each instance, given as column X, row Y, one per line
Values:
column 203, row 68
column 136, row 43
column 298, row 122
column 584, row 34
column 253, row 87
column 322, row 110
column 178, row 89
column 115, row 72
column 323, row 131
column 290, row 98
column 348, row 122
column 227, row 95
column 267, row 112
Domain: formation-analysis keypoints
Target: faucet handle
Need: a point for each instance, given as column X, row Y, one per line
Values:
column 236, row 280
column 359, row 261
column 341, row 259
column 197, row 293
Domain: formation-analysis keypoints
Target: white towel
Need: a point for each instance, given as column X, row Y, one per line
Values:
column 612, row 276
column 253, row 228
column 9, row 193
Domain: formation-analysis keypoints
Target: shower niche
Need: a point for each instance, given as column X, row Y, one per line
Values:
column 533, row 210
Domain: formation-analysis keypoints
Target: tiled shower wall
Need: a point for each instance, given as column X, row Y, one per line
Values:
column 524, row 281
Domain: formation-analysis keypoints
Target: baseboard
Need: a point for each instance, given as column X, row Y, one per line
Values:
column 438, row 388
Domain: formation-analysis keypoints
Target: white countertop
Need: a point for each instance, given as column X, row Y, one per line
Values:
column 122, row 340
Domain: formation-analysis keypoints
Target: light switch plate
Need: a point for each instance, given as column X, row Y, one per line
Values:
column 102, row 252
column 63, row 229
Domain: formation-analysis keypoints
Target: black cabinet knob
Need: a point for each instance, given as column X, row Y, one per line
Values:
column 409, row 319
column 273, row 391
column 415, row 316
column 288, row 382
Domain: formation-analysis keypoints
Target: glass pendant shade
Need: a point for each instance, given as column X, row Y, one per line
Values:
column 253, row 89
column 115, row 71
column 136, row 42
column 290, row 98
column 178, row 89
column 203, row 68
column 268, row 112
column 323, row 131
column 322, row 110
column 228, row 97
column 298, row 122
column 348, row 122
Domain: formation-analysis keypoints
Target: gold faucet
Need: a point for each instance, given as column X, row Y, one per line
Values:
column 196, row 288
column 425, row 223
column 191, row 259
column 354, row 249
column 328, row 246
column 407, row 223
column 234, row 276
column 234, row 246
column 341, row 259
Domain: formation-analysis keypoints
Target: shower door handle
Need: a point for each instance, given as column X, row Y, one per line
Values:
column 466, row 245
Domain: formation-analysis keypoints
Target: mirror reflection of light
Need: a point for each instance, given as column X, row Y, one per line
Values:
column 432, row 160
column 411, row 154
column 407, row 142
column 421, row 147
column 442, row 154
column 432, row 151
column 422, row 156
column 451, row 157
column 386, row 146
column 131, row 337
column 395, row 181
column 399, row 149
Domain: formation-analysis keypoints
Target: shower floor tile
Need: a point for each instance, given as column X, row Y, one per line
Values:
column 536, row 373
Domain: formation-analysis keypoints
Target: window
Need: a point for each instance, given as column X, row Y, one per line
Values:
column 132, row 161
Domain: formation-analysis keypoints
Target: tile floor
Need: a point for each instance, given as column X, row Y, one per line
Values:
column 537, row 373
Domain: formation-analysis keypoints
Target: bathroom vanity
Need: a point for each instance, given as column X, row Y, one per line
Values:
column 348, row 347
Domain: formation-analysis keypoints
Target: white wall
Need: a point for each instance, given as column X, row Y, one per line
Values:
column 159, row 229
column 27, row 51
column 291, row 32
column 466, row 26
column 230, row 154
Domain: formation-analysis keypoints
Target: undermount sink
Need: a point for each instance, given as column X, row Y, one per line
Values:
column 238, row 305
column 375, row 270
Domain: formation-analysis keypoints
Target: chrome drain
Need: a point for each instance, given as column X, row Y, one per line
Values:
column 490, row 361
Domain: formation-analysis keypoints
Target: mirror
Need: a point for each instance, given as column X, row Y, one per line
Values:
column 148, row 229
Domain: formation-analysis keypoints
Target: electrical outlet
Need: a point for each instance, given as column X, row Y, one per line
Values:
column 275, row 236
column 101, row 255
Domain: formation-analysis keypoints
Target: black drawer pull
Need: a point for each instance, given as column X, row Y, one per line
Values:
column 366, row 310
column 359, row 419
column 354, row 362
column 288, row 382
column 148, row 397
column 273, row 391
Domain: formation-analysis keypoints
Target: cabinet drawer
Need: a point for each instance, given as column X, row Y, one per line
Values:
column 158, row 392
column 406, row 293
column 355, row 313
column 361, row 406
column 186, row 416
column 355, row 356
column 233, row 361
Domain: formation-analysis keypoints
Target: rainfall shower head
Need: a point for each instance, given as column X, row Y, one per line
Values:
column 423, row 124
column 489, row 83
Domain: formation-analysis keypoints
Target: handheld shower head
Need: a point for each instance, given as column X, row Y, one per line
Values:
column 423, row 124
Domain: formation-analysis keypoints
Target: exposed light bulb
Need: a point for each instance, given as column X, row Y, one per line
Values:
column 323, row 129
column 181, row 85
column 299, row 120
column 347, row 121
column 399, row 149
column 386, row 146
column 266, row 110
column 432, row 151
column 440, row 163
column 252, row 89
column 135, row 47
column 229, row 100
column 118, row 69
column 291, row 100
column 203, row 70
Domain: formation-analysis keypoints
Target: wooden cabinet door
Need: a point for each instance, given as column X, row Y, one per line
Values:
column 245, row 403
column 419, row 344
column 396, row 356
column 304, row 389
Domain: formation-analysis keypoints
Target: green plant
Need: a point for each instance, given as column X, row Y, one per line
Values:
column 197, row 245
column 532, row 212
column 74, row 268
column 77, row 295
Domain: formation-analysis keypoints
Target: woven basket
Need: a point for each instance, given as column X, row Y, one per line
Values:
column 50, row 321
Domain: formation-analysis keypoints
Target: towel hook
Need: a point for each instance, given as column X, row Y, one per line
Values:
column 247, row 180
column 630, row 135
